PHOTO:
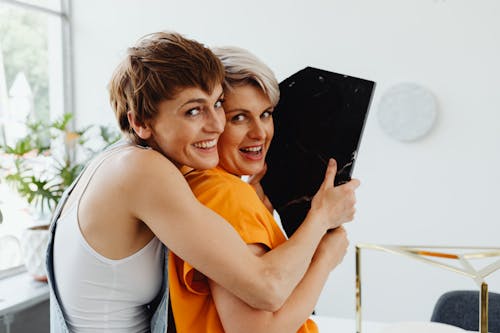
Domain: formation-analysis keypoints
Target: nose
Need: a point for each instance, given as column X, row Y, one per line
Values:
column 216, row 121
column 257, row 131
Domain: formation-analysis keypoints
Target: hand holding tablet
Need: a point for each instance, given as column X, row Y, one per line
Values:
column 321, row 115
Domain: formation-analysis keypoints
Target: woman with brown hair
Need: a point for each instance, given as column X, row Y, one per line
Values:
column 105, row 261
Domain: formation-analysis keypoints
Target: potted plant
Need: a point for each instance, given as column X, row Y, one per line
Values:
column 40, row 166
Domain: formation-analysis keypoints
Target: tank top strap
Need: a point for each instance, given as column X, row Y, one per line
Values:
column 91, row 168
column 94, row 165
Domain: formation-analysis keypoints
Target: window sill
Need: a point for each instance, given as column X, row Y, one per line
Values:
column 6, row 273
column 20, row 292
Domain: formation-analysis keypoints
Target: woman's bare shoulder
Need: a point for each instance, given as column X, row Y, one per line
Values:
column 137, row 169
column 136, row 159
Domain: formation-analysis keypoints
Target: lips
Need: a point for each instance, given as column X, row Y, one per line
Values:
column 208, row 144
column 255, row 153
column 252, row 150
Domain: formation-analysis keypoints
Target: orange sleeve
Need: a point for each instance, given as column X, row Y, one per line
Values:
column 194, row 281
column 238, row 204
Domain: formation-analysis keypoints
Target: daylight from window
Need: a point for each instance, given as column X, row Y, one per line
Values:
column 31, row 90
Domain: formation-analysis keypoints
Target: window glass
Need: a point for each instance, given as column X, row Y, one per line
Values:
column 49, row 4
column 31, row 89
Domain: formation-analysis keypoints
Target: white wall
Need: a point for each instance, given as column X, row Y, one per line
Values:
column 442, row 190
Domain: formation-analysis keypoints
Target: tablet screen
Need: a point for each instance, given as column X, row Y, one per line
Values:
column 321, row 114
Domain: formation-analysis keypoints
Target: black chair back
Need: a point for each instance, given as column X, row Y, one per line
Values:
column 461, row 308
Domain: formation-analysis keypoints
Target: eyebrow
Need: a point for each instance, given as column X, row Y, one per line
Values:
column 236, row 110
column 199, row 100
column 271, row 108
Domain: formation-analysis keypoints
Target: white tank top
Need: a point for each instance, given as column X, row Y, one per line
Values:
column 99, row 294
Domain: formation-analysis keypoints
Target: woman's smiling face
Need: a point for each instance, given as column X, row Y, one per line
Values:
column 248, row 132
column 188, row 127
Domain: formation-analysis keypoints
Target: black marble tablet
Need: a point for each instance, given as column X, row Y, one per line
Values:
column 321, row 114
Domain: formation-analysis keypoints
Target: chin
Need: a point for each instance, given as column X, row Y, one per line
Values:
column 257, row 168
column 202, row 164
column 212, row 164
column 251, row 170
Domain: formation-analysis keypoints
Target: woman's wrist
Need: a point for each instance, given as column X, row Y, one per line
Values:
column 318, row 219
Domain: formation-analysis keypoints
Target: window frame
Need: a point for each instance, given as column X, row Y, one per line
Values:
column 66, row 36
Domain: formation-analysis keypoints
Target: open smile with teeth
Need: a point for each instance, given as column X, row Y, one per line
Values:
column 252, row 150
column 205, row 144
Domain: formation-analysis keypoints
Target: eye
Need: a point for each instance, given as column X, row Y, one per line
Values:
column 193, row 112
column 218, row 104
column 267, row 114
column 238, row 118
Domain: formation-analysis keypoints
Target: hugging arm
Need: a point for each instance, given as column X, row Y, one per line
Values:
column 238, row 317
column 161, row 198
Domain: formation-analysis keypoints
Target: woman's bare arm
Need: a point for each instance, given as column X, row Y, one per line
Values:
column 161, row 198
column 238, row 317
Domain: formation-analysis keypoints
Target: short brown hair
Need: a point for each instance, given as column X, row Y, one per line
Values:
column 154, row 70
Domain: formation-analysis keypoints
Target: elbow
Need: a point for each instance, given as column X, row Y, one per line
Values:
column 270, row 286
column 277, row 300
column 272, row 304
column 271, row 301
column 274, row 291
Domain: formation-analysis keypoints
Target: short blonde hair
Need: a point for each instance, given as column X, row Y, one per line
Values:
column 242, row 67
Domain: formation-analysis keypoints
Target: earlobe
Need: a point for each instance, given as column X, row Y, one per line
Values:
column 142, row 130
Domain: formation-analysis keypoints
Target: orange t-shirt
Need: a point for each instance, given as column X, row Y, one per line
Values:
column 192, row 305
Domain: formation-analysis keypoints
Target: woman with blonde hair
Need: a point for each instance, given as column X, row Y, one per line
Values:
column 203, row 305
column 105, row 260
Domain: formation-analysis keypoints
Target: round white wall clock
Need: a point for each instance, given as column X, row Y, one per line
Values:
column 407, row 112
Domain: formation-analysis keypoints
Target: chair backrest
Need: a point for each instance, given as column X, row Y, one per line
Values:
column 461, row 308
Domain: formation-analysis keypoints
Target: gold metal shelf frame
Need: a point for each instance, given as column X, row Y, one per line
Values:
column 429, row 255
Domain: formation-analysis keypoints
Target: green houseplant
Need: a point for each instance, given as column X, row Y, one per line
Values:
column 44, row 162
column 40, row 165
